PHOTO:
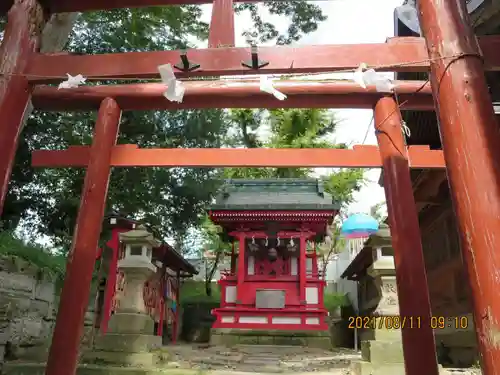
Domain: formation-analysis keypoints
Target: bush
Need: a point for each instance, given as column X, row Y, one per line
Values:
column 334, row 300
column 196, row 307
column 194, row 292
column 32, row 253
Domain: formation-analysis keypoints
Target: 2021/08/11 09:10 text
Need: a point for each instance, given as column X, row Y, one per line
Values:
column 400, row 322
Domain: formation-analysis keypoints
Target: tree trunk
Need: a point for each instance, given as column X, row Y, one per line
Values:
column 55, row 35
column 56, row 32
column 208, row 288
column 210, row 275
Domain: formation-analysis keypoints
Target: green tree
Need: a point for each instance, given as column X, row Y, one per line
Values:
column 334, row 243
column 172, row 200
column 304, row 18
column 377, row 212
column 292, row 128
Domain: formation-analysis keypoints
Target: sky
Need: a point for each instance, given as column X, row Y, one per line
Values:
column 349, row 22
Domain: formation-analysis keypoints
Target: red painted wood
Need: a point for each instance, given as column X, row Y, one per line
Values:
column 221, row 32
column 177, row 308
column 241, row 266
column 302, row 270
column 398, row 54
column 130, row 155
column 233, row 260
column 64, row 351
column 20, row 40
column 271, row 214
column 301, row 94
column 238, row 312
column 418, row 344
column 60, row 6
column 470, row 137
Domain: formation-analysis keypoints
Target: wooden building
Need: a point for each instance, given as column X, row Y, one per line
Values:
column 449, row 289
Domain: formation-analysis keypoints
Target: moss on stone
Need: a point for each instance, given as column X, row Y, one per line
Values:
column 22, row 257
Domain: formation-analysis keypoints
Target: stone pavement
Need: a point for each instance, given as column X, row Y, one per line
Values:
column 239, row 360
column 261, row 358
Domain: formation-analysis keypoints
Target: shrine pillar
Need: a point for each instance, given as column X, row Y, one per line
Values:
column 240, row 273
column 221, row 33
column 418, row 344
column 470, row 140
column 21, row 39
column 302, row 269
column 64, row 351
column 233, row 260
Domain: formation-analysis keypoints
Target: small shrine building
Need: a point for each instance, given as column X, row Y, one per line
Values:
column 274, row 282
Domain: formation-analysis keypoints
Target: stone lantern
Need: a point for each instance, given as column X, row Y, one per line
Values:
column 137, row 268
column 130, row 338
column 383, row 271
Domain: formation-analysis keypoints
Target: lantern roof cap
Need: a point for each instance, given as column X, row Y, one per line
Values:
column 382, row 238
column 274, row 194
column 140, row 235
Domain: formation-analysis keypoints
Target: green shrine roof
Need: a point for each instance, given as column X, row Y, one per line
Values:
column 274, row 194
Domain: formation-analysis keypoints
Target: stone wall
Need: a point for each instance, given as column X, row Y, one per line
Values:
column 28, row 307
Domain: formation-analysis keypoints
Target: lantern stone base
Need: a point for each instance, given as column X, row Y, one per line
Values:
column 381, row 353
column 231, row 336
column 127, row 323
column 130, row 341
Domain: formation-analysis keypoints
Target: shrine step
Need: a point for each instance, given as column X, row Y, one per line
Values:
column 280, row 341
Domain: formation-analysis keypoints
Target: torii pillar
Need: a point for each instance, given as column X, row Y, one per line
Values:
column 419, row 347
column 26, row 19
column 64, row 351
column 470, row 137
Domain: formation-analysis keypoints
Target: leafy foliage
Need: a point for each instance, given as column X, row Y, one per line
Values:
column 334, row 300
column 195, row 291
column 377, row 212
column 172, row 200
column 169, row 199
column 10, row 245
column 293, row 128
column 304, row 19
column 334, row 243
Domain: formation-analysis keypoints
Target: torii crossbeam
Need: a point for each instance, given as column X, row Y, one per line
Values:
column 449, row 51
column 396, row 55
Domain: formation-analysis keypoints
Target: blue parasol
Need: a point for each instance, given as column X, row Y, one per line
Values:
column 358, row 226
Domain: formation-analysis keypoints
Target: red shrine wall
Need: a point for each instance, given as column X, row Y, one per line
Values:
column 239, row 301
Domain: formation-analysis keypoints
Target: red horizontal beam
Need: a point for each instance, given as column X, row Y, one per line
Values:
column 132, row 156
column 398, row 54
column 414, row 95
column 61, row 6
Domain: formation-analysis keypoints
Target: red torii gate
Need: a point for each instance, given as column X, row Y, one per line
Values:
column 469, row 133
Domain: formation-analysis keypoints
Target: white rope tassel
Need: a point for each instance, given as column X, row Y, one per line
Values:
column 266, row 85
column 405, row 129
column 72, row 82
column 175, row 89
